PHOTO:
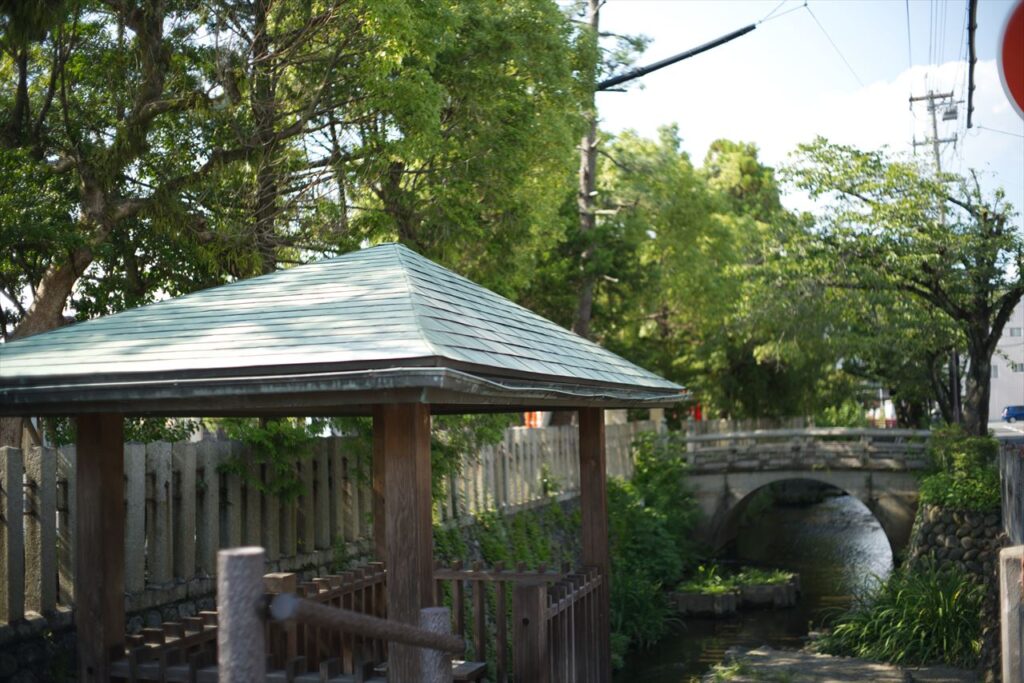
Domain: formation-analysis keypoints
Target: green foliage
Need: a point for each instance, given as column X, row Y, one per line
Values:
column 916, row 617
column 651, row 519
column 965, row 475
column 275, row 446
column 849, row 413
column 709, row 579
column 926, row 254
column 453, row 438
column 60, row 431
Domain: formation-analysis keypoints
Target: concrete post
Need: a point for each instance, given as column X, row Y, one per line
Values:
column 435, row 665
column 1011, row 610
column 241, row 647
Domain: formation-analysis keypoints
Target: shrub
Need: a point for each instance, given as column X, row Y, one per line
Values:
column 964, row 476
column 651, row 520
column 916, row 617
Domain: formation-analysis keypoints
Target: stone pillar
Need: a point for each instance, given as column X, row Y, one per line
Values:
column 241, row 646
column 1011, row 611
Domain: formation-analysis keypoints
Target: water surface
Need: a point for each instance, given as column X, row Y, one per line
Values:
column 838, row 548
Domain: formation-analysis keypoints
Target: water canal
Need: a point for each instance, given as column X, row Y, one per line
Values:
column 836, row 545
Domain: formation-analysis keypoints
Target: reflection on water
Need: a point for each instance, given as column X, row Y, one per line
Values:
column 838, row 548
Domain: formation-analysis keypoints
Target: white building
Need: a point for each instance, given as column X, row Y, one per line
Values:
column 1008, row 366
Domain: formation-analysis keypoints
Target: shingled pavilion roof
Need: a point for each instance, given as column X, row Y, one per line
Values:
column 382, row 324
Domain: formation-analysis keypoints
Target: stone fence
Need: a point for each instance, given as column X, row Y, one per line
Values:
column 182, row 506
column 805, row 449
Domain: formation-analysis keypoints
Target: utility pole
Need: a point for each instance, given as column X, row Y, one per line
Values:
column 950, row 114
column 586, row 199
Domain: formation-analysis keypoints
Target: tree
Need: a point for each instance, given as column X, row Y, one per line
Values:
column 893, row 226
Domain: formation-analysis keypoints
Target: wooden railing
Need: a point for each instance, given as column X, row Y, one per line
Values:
column 181, row 508
column 557, row 629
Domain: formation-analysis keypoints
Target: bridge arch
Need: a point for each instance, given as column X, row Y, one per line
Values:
column 890, row 496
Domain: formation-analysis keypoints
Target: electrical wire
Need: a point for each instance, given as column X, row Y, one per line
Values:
column 769, row 15
column 779, row 16
column 838, row 51
column 910, row 50
column 996, row 130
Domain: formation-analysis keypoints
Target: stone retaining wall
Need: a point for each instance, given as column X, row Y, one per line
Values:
column 971, row 542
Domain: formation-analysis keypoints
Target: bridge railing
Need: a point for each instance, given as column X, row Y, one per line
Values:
column 810, row 448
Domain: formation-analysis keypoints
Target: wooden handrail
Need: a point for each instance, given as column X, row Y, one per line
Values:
column 288, row 606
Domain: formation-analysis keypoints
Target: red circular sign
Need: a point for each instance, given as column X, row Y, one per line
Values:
column 1011, row 58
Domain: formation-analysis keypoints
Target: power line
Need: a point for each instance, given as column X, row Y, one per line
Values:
column 768, row 16
column 910, row 50
column 838, row 51
column 996, row 130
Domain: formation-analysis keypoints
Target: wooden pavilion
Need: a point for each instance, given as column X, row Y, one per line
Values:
column 381, row 332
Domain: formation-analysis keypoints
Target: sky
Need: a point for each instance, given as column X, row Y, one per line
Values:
column 786, row 82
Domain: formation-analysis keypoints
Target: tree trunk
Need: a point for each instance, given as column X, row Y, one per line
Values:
column 586, row 201
column 979, row 388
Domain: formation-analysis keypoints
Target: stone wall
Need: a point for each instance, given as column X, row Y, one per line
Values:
column 971, row 542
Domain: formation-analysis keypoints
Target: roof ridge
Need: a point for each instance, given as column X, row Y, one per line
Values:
column 399, row 249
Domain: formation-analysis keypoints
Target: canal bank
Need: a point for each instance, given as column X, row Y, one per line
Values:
column 836, row 546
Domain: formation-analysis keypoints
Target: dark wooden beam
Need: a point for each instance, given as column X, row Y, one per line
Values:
column 405, row 434
column 99, row 544
column 594, row 508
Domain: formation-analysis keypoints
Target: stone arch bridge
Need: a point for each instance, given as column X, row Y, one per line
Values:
column 878, row 466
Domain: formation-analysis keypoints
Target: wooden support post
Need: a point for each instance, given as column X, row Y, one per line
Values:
column 594, row 508
column 241, row 642
column 530, row 632
column 99, row 546
column 405, row 432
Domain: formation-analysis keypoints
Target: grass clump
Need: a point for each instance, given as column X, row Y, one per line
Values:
column 918, row 617
column 709, row 580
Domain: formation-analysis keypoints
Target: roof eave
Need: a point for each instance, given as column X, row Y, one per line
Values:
column 324, row 393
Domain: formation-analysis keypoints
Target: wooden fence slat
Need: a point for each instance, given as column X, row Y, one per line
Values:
column 158, row 548
column 41, row 531
column 350, row 500
column 184, row 464
column 271, row 514
column 307, row 504
column 135, row 517
column 288, row 527
column 12, row 535
column 66, row 513
column 335, row 490
column 208, row 507
column 322, row 494
column 231, row 532
column 253, row 510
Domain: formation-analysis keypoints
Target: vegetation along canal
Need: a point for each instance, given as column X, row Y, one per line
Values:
column 836, row 545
